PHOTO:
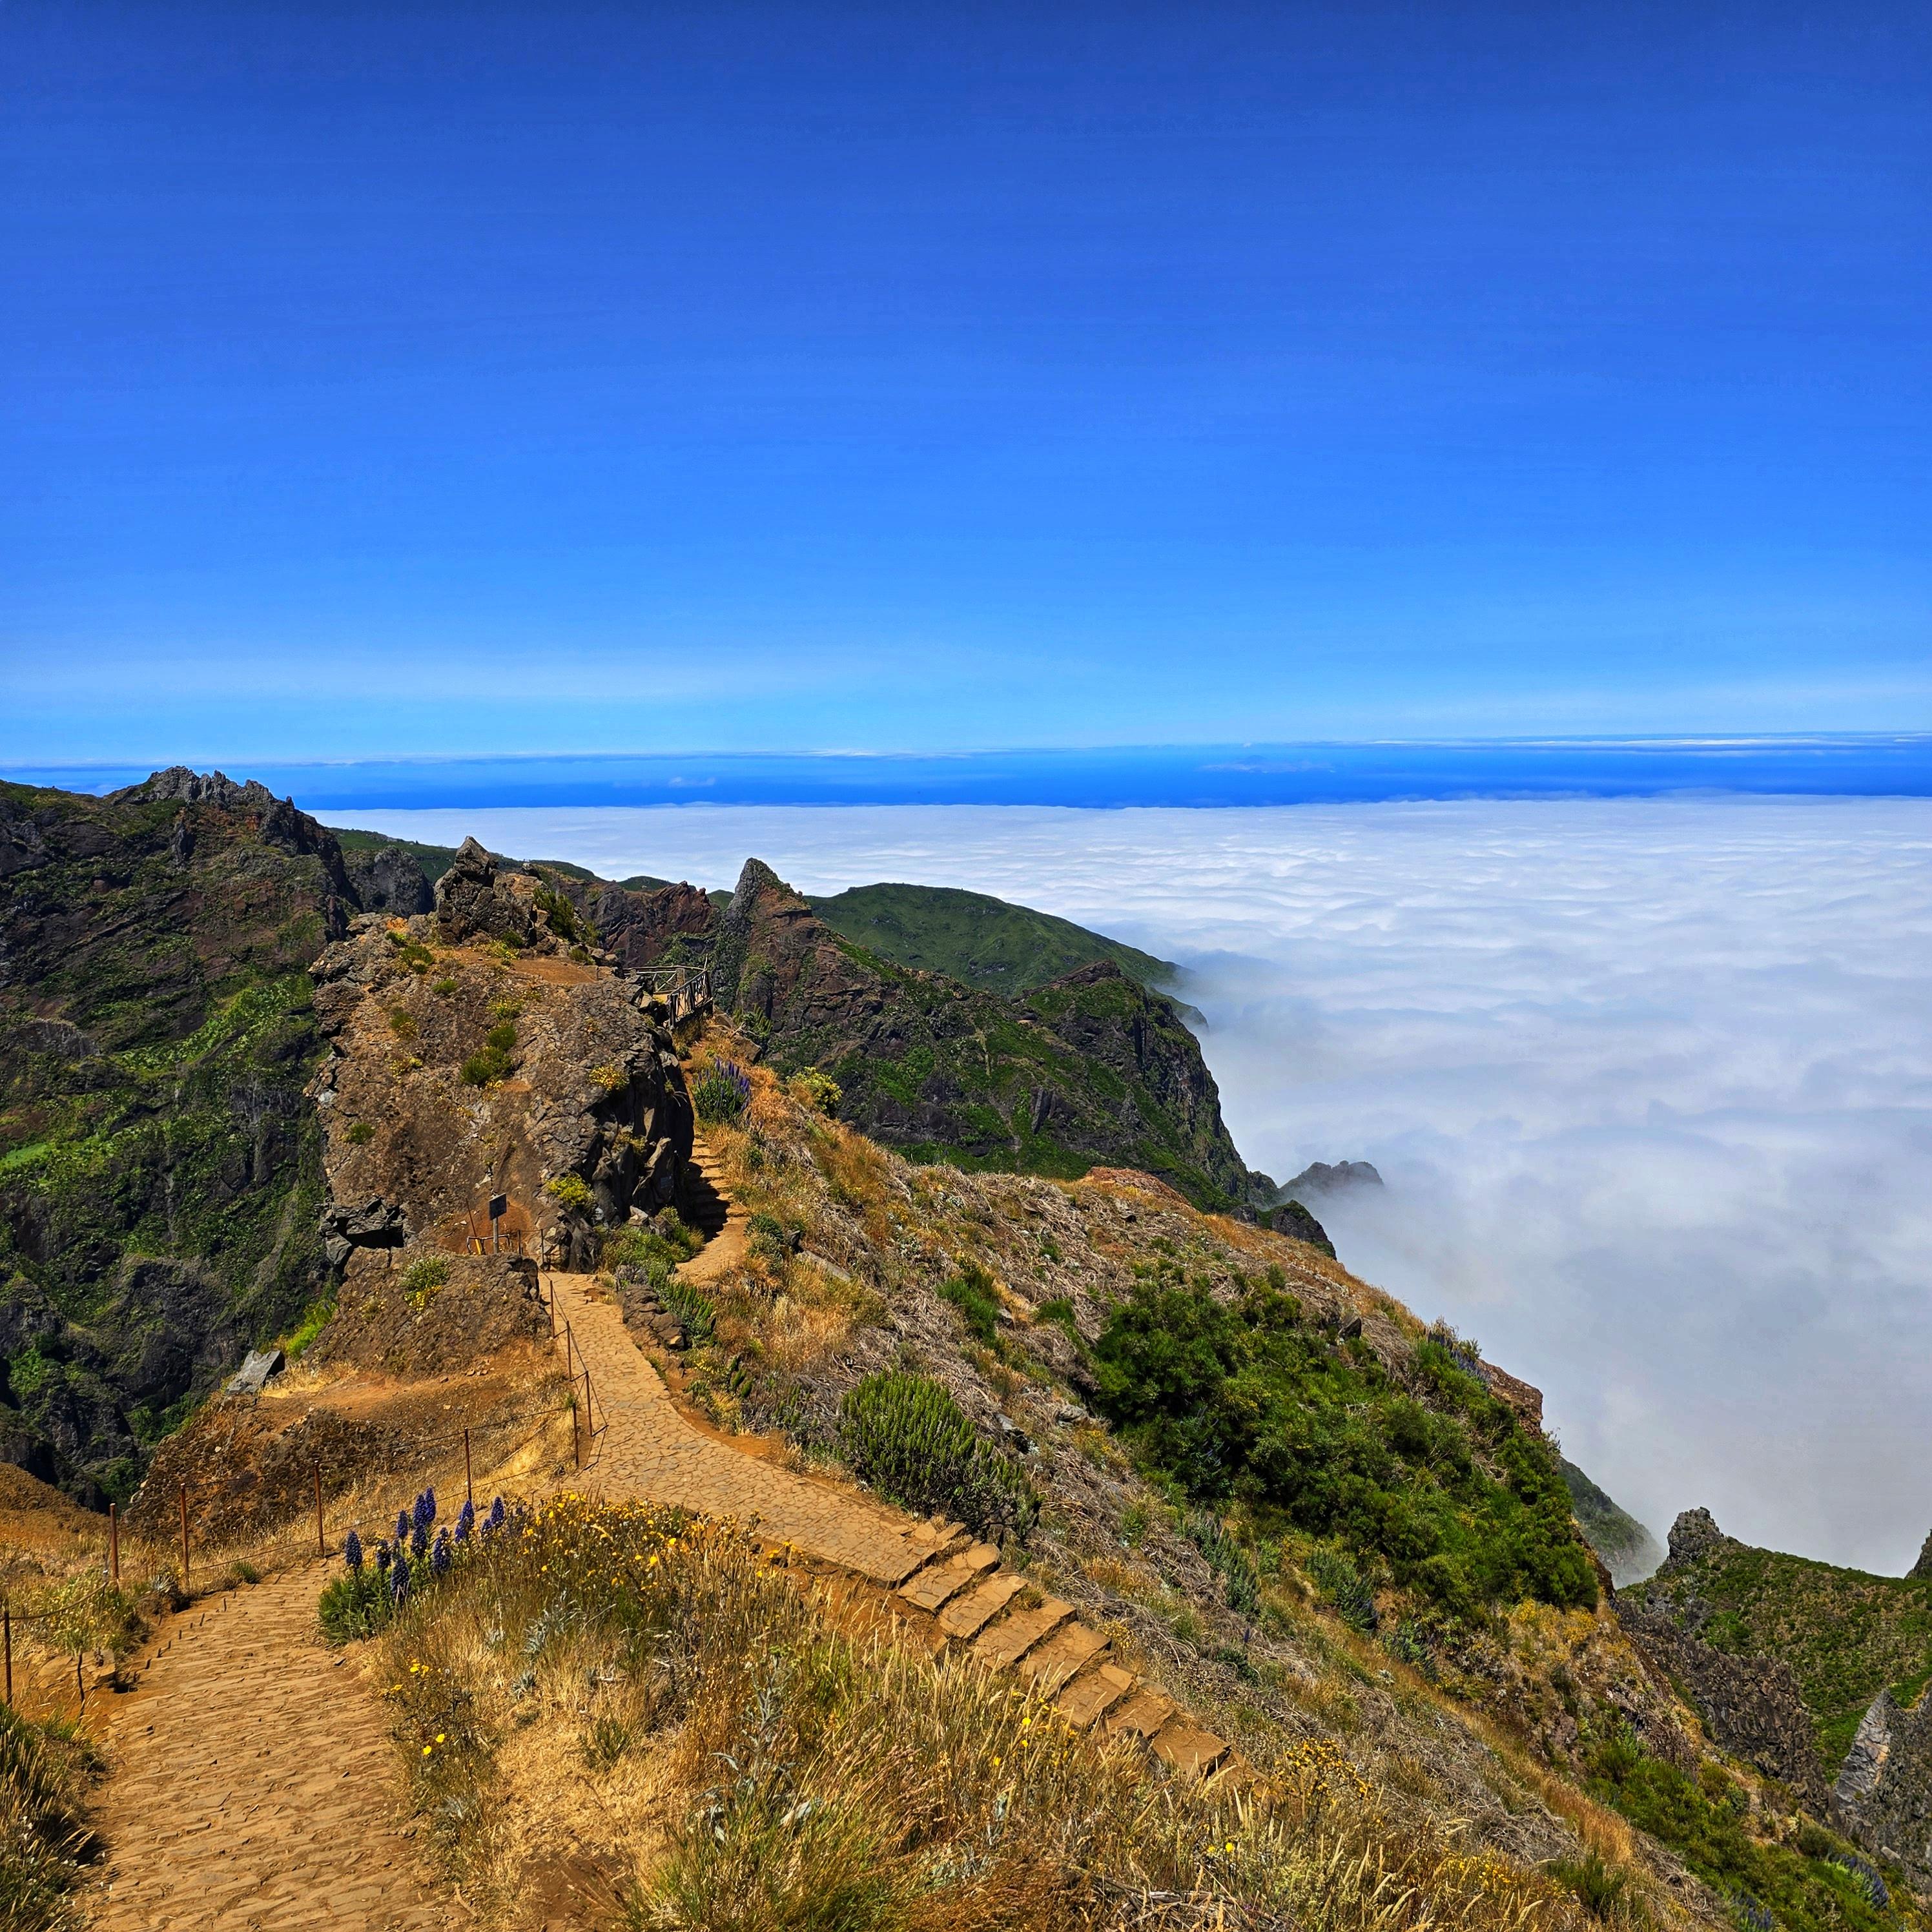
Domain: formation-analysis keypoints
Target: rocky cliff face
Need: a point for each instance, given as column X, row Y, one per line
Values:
column 160, row 1170
column 1884, row 1788
column 462, row 1070
column 1091, row 1069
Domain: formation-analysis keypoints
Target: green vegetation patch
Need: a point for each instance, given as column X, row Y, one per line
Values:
column 1438, row 1490
column 1846, row 1634
column 984, row 941
column 906, row 1436
column 1816, row 1885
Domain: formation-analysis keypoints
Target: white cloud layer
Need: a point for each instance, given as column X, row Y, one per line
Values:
column 1651, row 1081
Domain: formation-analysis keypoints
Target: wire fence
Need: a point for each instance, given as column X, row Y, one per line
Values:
column 214, row 1556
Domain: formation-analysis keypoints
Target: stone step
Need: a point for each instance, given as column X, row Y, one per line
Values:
column 1143, row 1715
column 1183, row 1745
column 1007, row 1641
column 1091, row 1695
column 1050, row 1666
column 970, row 1613
column 938, row 1583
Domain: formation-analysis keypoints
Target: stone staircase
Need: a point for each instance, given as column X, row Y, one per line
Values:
column 945, row 1589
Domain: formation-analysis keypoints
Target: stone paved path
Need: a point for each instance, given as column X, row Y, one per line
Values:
column 947, row 1586
column 645, row 1448
column 254, row 1786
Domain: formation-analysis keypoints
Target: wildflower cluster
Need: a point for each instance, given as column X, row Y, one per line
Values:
column 368, row 1595
column 723, row 1093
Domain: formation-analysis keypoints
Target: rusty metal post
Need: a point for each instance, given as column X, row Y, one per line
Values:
column 469, row 1479
column 590, row 1426
column 569, row 1353
column 321, row 1547
column 6, row 1640
column 114, row 1545
column 184, row 1513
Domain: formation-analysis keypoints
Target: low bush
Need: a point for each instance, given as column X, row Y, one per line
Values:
column 818, row 1091
column 1345, row 1587
column 569, row 1190
column 906, row 1436
column 695, row 1312
column 723, row 1092
column 45, row 1770
column 423, row 1277
column 494, row 1062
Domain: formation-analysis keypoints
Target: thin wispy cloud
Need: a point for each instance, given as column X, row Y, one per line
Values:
column 1651, row 1081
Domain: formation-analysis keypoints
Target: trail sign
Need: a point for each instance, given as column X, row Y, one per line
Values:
column 500, row 1206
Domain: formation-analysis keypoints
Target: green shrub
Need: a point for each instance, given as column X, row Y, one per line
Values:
column 1598, row 1887
column 1060, row 1312
column 402, row 1023
column 492, row 1063
column 444, row 989
column 694, row 1312
column 361, row 1133
column 423, row 1277
column 971, row 1291
column 1345, row 1587
column 906, row 1436
column 564, row 920
column 818, row 1091
column 656, row 1249
column 568, row 1190
column 315, row 1319
column 354, row 1605
column 1229, row 1560
column 1247, row 1402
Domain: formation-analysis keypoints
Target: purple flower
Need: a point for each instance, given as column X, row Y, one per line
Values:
column 399, row 1583
column 402, row 1527
column 352, row 1551
column 382, row 1556
column 496, row 1514
column 419, row 1540
column 440, row 1556
column 465, row 1521
column 425, row 1512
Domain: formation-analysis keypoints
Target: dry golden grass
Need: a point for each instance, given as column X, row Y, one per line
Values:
column 632, row 1704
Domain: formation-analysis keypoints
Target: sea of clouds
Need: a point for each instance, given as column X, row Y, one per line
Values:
column 1650, row 1082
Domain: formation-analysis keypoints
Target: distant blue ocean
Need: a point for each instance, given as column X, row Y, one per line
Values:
column 1116, row 777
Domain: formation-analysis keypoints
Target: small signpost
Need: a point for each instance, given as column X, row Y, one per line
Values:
column 500, row 1206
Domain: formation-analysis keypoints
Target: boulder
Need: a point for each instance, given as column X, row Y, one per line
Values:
column 253, row 1375
column 472, row 902
column 1693, row 1534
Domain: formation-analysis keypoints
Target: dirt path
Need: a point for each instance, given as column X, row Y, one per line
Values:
column 254, row 1785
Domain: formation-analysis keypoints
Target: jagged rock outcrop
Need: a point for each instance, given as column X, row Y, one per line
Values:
column 553, row 1083
column 1923, row 1568
column 1295, row 1221
column 473, row 900
column 1323, row 1177
column 388, row 880
column 1751, row 1706
column 672, row 925
column 1884, row 1788
column 1693, row 1534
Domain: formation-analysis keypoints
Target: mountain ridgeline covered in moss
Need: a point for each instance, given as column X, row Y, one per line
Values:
column 971, row 937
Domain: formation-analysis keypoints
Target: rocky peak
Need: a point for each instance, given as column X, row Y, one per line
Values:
column 473, row 901
column 1693, row 1534
column 1923, row 1568
column 179, row 784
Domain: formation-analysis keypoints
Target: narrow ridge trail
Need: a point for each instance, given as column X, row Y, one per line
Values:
column 948, row 1589
column 254, row 1787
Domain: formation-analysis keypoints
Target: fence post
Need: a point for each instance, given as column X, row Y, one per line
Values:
column 469, row 1481
column 7, row 1637
column 321, row 1547
column 569, row 1353
column 113, row 1546
column 590, row 1426
column 576, row 1428
column 184, row 1513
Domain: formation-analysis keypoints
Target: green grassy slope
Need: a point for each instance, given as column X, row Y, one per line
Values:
column 1629, row 1551
column 434, row 859
column 1846, row 1634
column 969, row 936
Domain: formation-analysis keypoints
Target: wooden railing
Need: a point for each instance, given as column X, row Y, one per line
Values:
column 684, row 989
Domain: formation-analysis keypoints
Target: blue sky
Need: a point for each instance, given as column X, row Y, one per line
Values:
column 398, row 380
